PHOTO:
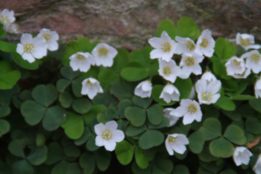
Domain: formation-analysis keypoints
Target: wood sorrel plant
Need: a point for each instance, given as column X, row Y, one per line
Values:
column 85, row 107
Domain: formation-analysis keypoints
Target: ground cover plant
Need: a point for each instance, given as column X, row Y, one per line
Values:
column 185, row 103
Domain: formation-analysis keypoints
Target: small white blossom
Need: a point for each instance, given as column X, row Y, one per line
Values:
column 176, row 142
column 257, row 167
column 258, row 88
column 32, row 48
column 108, row 135
column 51, row 38
column 186, row 45
column 253, row 60
column 168, row 70
column 189, row 110
column 172, row 118
column 208, row 76
column 190, row 64
column 241, row 155
column 104, row 54
column 170, row 93
column 81, row 61
column 206, row 43
column 164, row 47
column 143, row 89
column 91, row 87
column 235, row 65
column 207, row 92
column 247, row 41
column 7, row 17
column 244, row 75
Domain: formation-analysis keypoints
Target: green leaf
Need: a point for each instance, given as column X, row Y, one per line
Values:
column 164, row 123
column 120, row 90
column 196, row 142
column 84, row 44
column 219, row 68
column 211, row 128
column 121, row 60
column 255, row 104
column 71, row 48
column 33, row 112
column 133, row 74
column 139, row 57
column 45, row 94
column 142, row 102
column 229, row 171
column 62, row 84
column 141, row 159
column 87, row 162
column 107, row 77
column 221, row 148
column 136, row 170
column 135, row 115
column 68, row 73
column 134, row 131
column 162, row 167
column 8, row 80
column 181, row 169
column 252, row 125
column 77, row 86
column 151, row 138
column 65, row 167
column 107, row 115
column 37, row 155
column 168, row 26
column 39, row 140
column 93, row 113
column 156, row 91
column 103, row 159
column 122, row 106
column 4, row 111
column 24, row 63
column 25, row 95
column 85, row 137
column 234, row 115
column 16, row 148
column 184, row 86
column 91, row 144
column 54, row 117
column 187, row 27
column 226, row 103
column 65, row 99
column 206, row 156
column 4, row 127
column 243, row 97
column 124, row 152
column 224, row 49
column 82, row 105
column 2, row 33
column 22, row 167
column 55, row 153
column 73, row 126
column 155, row 114
column 235, row 134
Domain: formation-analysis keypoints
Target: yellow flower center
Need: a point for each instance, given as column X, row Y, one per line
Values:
column 47, row 37
column 189, row 61
column 103, row 51
column 172, row 139
column 167, row 71
column 80, row 57
column 190, row 45
column 237, row 63
column 245, row 42
column 106, row 134
column 255, row 57
column 166, row 47
column 28, row 48
column 242, row 75
column 192, row 108
column 206, row 96
column 4, row 19
column 89, row 83
column 204, row 43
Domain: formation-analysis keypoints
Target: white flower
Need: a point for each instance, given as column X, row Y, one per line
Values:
column 81, row 61
column 108, row 135
column 258, row 88
column 143, row 89
column 190, row 64
column 164, row 47
column 241, row 155
column 243, row 75
column 186, row 45
column 91, row 87
column 253, row 60
column 7, row 17
column 235, row 65
column 207, row 92
column 176, row 142
column 208, row 76
column 104, row 54
column 190, row 109
column 32, row 48
column 168, row 70
column 170, row 93
column 206, row 43
column 246, row 41
column 257, row 167
column 51, row 38
column 172, row 118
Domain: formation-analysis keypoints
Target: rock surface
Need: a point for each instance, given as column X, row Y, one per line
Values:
column 129, row 24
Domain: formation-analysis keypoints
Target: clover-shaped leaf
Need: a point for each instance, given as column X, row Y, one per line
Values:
column 45, row 94
column 151, row 138
column 135, row 115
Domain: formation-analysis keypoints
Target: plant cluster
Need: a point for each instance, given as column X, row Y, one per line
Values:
column 176, row 106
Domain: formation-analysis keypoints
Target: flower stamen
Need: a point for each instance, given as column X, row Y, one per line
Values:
column 172, row 139
column 189, row 61
column 237, row 63
column 166, row 47
column 102, row 51
column 47, row 37
column 106, row 134
column 245, row 42
column 206, row 96
column 28, row 48
column 80, row 57
column 255, row 57
column 167, row 71
column 204, row 43
column 190, row 45
column 192, row 108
